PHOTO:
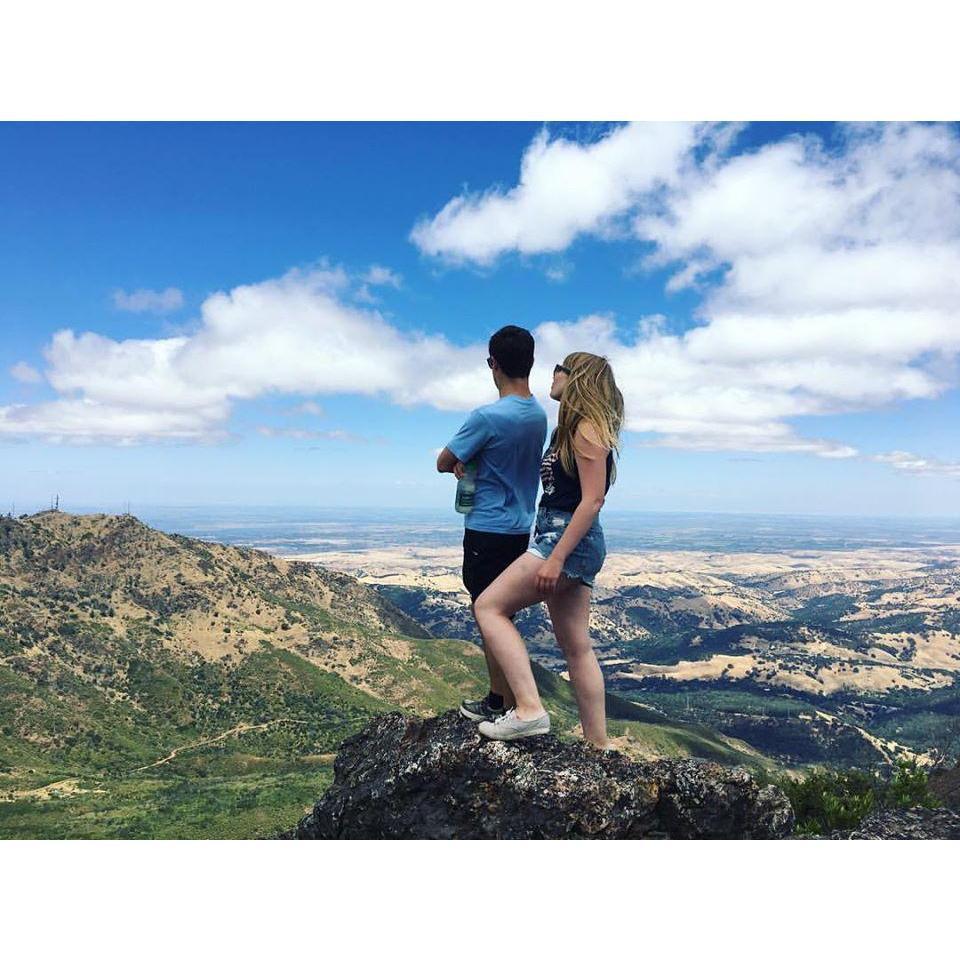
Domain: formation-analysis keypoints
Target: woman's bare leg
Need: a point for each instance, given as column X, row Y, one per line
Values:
column 570, row 612
column 513, row 590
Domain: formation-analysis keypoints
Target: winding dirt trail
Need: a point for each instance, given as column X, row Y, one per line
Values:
column 240, row 728
column 71, row 784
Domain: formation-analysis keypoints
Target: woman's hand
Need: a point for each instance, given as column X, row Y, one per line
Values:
column 548, row 576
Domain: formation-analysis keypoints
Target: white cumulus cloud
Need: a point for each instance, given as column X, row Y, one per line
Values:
column 565, row 189
column 292, row 334
column 378, row 276
column 829, row 274
column 25, row 373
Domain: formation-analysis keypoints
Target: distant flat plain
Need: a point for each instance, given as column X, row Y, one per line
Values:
column 305, row 530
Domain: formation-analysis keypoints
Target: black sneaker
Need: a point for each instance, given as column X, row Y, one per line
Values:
column 479, row 710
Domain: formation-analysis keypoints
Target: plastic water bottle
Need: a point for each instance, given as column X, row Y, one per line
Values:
column 466, row 488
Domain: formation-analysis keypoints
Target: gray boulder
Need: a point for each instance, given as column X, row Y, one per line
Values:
column 945, row 785
column 403, row 777
column 917, row 823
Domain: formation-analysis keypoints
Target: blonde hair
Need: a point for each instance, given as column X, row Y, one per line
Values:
column 590, row 395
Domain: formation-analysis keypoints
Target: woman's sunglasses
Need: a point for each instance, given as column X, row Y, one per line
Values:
column 559, row 368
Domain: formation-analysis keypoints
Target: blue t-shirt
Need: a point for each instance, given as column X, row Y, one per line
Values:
column 506, row 439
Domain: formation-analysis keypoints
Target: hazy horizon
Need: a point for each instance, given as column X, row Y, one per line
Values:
column 292, row 531
column 32, row 507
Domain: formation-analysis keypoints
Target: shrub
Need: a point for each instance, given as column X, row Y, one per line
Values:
column 908, row 787
column 828, row 800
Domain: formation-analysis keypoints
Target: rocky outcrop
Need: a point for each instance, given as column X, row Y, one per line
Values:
column 406, row 778
column 944, row 784
column 917, row 823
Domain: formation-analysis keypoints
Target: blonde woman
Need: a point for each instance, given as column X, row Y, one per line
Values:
column 567, row 552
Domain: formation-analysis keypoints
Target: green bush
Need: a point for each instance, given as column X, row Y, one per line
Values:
column 908, row 787
column 828, row 800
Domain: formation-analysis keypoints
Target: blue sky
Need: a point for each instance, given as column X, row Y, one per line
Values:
column 795, row 283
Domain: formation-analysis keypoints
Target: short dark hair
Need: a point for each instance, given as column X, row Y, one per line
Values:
column 512, row 348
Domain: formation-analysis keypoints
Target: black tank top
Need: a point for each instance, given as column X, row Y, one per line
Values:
column 560, row 490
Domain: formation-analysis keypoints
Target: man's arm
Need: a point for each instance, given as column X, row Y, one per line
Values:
column 468, row 442
column 446, row 462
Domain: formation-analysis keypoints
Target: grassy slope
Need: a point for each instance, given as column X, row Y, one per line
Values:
column 246, row 785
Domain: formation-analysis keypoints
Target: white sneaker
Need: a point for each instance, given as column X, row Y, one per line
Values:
column 511, row 727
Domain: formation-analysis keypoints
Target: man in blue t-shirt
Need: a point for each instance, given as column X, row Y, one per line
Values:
column 505, row 441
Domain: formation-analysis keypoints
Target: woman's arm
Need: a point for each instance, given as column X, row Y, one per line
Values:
column 591, row 457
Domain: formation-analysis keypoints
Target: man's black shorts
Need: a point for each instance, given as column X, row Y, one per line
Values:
column 487, row 555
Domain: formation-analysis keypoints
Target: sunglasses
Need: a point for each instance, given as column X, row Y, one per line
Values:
column 560, row 368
